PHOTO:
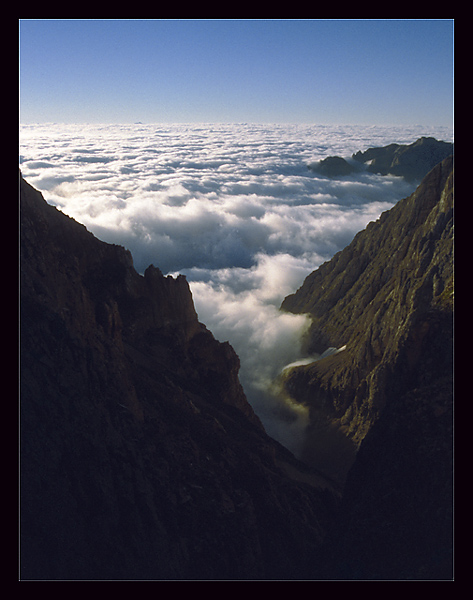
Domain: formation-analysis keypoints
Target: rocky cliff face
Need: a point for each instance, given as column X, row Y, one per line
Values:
column 386, row 299
column 140, row 456
column 384, row 402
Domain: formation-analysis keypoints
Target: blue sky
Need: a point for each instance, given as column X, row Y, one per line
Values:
column 378, row 72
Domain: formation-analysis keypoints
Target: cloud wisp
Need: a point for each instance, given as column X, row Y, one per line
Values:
column 233, row 207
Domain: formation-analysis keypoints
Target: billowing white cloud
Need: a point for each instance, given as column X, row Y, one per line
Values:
column 234, row 207
column 264, row 338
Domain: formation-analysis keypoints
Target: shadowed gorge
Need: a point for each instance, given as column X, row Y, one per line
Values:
column 141, row 457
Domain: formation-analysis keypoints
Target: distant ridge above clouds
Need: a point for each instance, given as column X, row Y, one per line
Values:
column 240, row 189
column 411, row 161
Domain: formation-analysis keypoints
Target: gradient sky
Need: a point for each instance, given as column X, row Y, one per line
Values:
column 378, row 72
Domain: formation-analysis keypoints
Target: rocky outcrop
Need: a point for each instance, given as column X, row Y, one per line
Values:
column 140, row 455
column 382, row 404
column 333, row 166
column 412, row 161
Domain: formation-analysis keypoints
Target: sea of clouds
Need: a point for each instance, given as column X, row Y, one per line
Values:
column 234, row 208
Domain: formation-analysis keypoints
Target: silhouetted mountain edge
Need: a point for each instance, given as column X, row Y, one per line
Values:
column 140, row 457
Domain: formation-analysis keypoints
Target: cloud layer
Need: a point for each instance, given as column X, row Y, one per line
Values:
column 234, row 207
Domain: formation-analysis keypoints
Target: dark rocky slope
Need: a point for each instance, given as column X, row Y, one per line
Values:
column 388, row 299
column 140, row 456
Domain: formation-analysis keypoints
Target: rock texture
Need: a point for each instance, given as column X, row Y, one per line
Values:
column 396, row 518
column 411, row 161
column 140, row 456
column 384, row 403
